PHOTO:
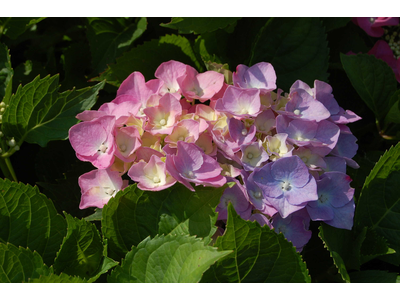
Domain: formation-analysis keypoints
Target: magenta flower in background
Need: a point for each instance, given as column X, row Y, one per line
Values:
column 383, row 51
column 373, row 25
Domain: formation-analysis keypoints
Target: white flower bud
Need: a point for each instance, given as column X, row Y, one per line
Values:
column 16, row 148
column 11, row 142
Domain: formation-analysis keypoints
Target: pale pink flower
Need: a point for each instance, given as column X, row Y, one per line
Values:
column 98, row 186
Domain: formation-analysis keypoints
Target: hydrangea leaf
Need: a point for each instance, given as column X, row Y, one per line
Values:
column 394, row 112
column 81, row 252
column 6, row 74
column 379, row 204
column 335, row 23
column 373, row 246
column 18, row 264
column 147, row 57
column 37, row 113
column 259, row 255
column 344, row 247
column 373, row 276
column 199, row 25
column 135, row 214
column 63, row 190
column 373, row 80
column 366, row 161
column 110, row 37
column 171, row 258
column 53, row 278
column 29, row 219
column 96, row 216
column 13, row 27
column 296, row 47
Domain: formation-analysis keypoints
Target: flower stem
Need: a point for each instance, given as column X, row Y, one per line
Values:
column 7, row 169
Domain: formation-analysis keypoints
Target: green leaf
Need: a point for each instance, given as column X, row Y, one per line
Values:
column 199, row 25
column 147, row 57
column 296, row 47
column 379, row 204
column 393, row 115
column 18, row 265
column 135, row 214
column 53, row 278
column 13, row 27
column 171, row 258
column 38, row 114
column 373, row 276
column 81, row 252
column 259, row 255
column 335, row 23
column 29, row 219
column 344, row 247
column 65, row 191
column 106, row 265
column 96, row 216
column 374, row 245
column 108, row 39
column 373, row 80
column 6, row 74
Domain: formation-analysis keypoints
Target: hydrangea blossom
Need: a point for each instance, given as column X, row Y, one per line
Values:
column 286, row 152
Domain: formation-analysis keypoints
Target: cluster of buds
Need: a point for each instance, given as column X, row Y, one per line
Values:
column 2, row 110
column 393, row 39
column 286, row 152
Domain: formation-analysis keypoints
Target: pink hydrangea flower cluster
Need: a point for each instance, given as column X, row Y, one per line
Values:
column 286, row 152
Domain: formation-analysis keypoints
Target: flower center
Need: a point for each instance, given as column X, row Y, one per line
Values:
column 189, row 174
column 249, row 155
column 297, row 112
column 286, row 186
column 163, row 122
column 109, row 191
column 181, row 138
column 156, row 179
column 102, row 148
column 122, row 148
column 322, row 198
column 257, row 195
column 244, row 131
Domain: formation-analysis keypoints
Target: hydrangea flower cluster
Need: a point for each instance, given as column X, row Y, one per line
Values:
column 286, row 152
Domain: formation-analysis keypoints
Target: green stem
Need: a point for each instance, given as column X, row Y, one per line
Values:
column 11, row 169
column 5, row 170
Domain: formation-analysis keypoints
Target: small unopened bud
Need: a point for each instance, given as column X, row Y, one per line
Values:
column 1, row 150
column 16, row 148
column 11, row 143
column 2, row 110
column 2, row 104
column 1, row 134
